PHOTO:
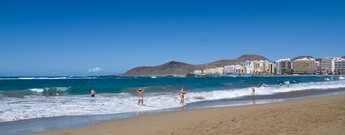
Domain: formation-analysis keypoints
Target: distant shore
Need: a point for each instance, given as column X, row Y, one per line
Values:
column 320, row 115
column 226, row 75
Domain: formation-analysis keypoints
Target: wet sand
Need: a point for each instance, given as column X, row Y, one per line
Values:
column 319, row 115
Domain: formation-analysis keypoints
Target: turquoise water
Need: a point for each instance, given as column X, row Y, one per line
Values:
column 21, row 86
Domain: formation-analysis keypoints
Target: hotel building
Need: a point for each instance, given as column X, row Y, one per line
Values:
column 339, row 65
column 304, row 65
column 233, row 69
column 327, row 65
column 283, row 66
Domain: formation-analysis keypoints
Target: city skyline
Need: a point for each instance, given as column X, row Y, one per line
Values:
column 111, row 37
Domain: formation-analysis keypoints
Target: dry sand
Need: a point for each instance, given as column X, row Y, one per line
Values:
column 314, row 116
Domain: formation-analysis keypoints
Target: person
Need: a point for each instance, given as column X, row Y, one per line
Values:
column 57, row 93
column 141, row 96
column 253, row 89
column 181, row 93
column 262, row 85
column 93, row 92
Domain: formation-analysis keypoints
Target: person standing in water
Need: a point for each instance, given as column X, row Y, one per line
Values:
column 57, row 93
column 93, row 92
column 141, row 96
column 253, row 90
column 181, row 93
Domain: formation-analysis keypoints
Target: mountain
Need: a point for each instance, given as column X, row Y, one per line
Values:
column 250, row 57
column 181, row 68
column 243, row 58
column 170, row 68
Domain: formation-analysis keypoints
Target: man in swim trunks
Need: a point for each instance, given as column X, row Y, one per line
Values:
column 181, row 93
column 93, row 93
column 141, row 96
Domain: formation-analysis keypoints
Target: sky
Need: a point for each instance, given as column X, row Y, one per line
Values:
column 97, row 37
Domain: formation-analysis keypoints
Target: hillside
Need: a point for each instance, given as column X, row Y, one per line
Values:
column 170, row 68
column 181, row 68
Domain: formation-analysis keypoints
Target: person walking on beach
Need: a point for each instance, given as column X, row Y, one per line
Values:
column 181, row 93
column 141, row 96
column 93, row 92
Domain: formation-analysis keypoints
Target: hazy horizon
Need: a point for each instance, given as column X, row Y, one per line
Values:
column 81, row 38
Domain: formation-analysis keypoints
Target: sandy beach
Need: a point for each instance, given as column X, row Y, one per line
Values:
column 320, row 115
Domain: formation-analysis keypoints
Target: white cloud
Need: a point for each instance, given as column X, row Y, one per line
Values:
column 95, row 69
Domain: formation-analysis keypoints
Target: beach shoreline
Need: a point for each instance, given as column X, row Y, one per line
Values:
column 317, row 115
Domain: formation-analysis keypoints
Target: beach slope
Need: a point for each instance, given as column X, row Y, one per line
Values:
column 321, row 115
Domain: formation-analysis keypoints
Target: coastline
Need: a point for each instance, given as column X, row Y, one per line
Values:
column 317, row 115
column 242, row 75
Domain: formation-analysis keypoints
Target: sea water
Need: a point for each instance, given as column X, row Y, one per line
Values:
column 33, row 97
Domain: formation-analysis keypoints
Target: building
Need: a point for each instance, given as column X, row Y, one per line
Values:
column 283, row 66
column 197, row 72
column 214, row 71
column 327, row 65
column 318, row 66
column 304, row 65
column 270, row 69
column 233, row 69
column 339, row 65
column 258, row 67
column 263, row 66
column 248, row 67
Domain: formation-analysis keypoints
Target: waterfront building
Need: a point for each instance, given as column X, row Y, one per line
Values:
column 283, row 66
column 318, row 66
column 339, row 65
column 257, row 67
column 197, row 72
column 327, row 65
column 213, row 71
column 263, row 67
column 304, row 65
column 248, row 67
column 270, row 69
column 233, row 69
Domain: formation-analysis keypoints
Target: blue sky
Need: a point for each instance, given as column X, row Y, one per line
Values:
column 86, row 37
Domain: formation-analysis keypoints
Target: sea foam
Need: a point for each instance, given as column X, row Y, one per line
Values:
column 36, row 90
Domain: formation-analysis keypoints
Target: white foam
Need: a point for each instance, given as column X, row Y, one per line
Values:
column 49, row 88
column 61, row 88
column 40, row 78
column 34, row 106
column 36, row 90
column 341, row 77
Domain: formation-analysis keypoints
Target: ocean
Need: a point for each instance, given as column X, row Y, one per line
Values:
column 24, row 98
